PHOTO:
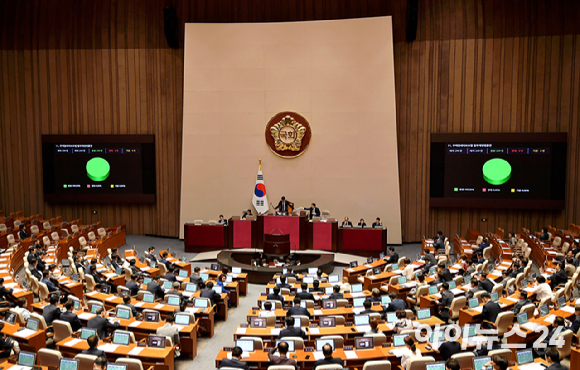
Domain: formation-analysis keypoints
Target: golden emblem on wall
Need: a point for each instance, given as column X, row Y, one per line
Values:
column 288, row 134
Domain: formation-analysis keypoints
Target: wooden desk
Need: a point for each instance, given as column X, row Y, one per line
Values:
column 241, row 279
column 33, row 342
column 160, row 358
column 353, row 273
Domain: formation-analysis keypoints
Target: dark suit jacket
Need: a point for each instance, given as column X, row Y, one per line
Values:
column 211, row 294
column 336, row 296
column 133, row 287
column 558, row 278
column 327, row 361
column 5, row 293
column 234, row 362
column 283, row 206
column 298, row 311
column 23, row 234
column 152, row 257
column 447, row 275
column 292, row 332
column 446, row 299
column 170, row 277
column 314, row 212
column 521, row 303
column 37, row 274
column 395, row 305
column 472, row 292
column 275, row 297
column 440, row 243
column 50, row 285
column 196, row 279
column 305, row 296
column 156, row 289
column 376, row 224
column 101, row 324
column 70, row 317
column 486, row 285
column 346, row 223
column 394, row 258
column 556, row 366
column 175, row 292
column 94, row 352
column 281, row 360
column 50, row 313
column 489, row 313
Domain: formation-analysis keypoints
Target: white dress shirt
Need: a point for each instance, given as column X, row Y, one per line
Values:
column 409, row 270
column 542, row 291
column 408, row 355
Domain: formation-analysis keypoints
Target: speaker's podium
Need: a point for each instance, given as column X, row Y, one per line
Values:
column 277, row 244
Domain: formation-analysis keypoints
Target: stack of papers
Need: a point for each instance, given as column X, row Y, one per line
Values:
column 568, row 309
column 241, row 331
column 532, row 366
column 512, row 299
column 139, row 304
column 457, row 291
column 134, row 324
column 192, row 310
column 350, row 355
column 363, row 328
column 550, row 318
column 159, row 306
column 318, row 312
column 478, row 309
column 108, row 347
column 398, row 352
column 314, row 331
column 350, row 270
column 275, row 331
column 24, row 333
column 111, row 298
column 530, row 326
column 318, row 355
column 72, row 342
column 369, row 266
column 135, row 351
column 86, row 316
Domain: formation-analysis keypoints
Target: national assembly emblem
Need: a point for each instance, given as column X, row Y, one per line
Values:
column 288, row 134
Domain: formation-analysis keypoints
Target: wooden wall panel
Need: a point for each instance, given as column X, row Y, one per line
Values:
column 103, row 67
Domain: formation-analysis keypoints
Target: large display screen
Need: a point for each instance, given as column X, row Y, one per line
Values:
column 525, row 171
column 99, row 168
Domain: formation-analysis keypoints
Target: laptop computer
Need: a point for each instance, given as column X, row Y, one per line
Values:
column 215, row 267
column 151, row 316
column 433, row 290
column 544, row 310
column 437, row 338
column 245, row 345
column 173, row 301
column 105, row 289
column 478, row 362
column 369, row 259
column 68, row 364
column 328, row 290
column 191, row 287
column 123, row 313
column 562, row 302
column 32, row 324
column 402, row 280
column 361, row 320
column 356, row 288
column 121, row 337
column 312, row 270
column 258, row 322
column 148, row 298
column 308, row 279
column 399, row 340
column 156, row 341
column 467, row 280
column 363, row 343
column 25, row 361
column 147, row 280
column 86, row 333
column 525, row 356
column 524, row 323
column 424, row 314
column 435, row 366
column 385, row 299
column 181, row 319
column 204, row 276
column 353, row 264
column 328, row 322
column 391, row 317
column 452, row 285
column 494, row 296
column 395, row 266
column 473, row 302
column 358, row 302
column 167, row 285
column 113, row 366
column 236, row 270
column 202, row 303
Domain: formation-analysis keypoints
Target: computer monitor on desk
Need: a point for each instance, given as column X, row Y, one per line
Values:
column 121, row 337
column 68, row 364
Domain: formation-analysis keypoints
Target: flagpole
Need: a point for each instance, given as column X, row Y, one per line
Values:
column 260, row 163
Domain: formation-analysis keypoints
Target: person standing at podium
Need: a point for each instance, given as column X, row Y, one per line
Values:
column 314, row 211
column 283, row 205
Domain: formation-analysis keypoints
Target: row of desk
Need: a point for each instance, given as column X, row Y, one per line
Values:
column 304, row 235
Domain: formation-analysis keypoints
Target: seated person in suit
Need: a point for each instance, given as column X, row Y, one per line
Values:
column 439, row 241
column 576, row 323
column 362, row 223
column 275, row 296
column 489, row 312
column 267, row 312
column 223, row 221
column 93, row 342
column 553, row 359
column 170, row 276
column 49, row 284
column 35, row 269
column 445, row 302
column 236, row 360
column 377, row 223
column 474, row 289
column 70, row 317
column 421, row 280
column 208, row 292
column 304, row 294
column 559, row 325
column 283, row 283
column 367, row 304
column 559, row 277
column 374, row 324
column 101, row 323
column 319, row 276
column 247, row 213
column 336, row 293
column 282, row 359
column 195, row 277
column 6, row 294
column 394, row 258
column 100, row 363
column 396, row 303
column 151, row 255
column 375, row 295
column 316, row 287
column 51, row 312
column 127, row 302
column 485, row 283
column 289, row 271
column 481, row 247
column 290, row 330
column 544, row 235
column 346, row 223
column 22, row 234
column 448, row 348
column 175, row 290
column 8, row 346
column 504, row 278
column 446, row 273
column 155, row 288
column 296, row 310
column 164, row 260
column 169, row 329
column 522, row 302
column 115, row 262
column 328, row 359
column 132, row 285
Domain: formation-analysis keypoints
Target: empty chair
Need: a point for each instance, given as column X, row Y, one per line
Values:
column 505, row 352
column 34, row 229
column 102, row 231
column 46, row 225
column 279, row 367
column 197, row 222
column 124, row 307
column 46, row 240
column 92, row 237
column 418, row 363
column 377, row 365
column 54, row 236
column 92, row 302
column 304, row 320
column 132, row 364
column 42, row 291
column 456, row 305
column 276, row 304
column 339, row 320
column 62, row 330
column 330, row 367
column 74, row 228
column 258, row 342
column 83, row 243
column 90, row 283
column 85, row 361
column 465, row 359
column 49, row 357
column 566, row 348
column 529, row 309
column 10, row 239
column 3, row 228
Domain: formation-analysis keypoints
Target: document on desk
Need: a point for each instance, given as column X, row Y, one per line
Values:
column 568, row 309
column 191, row 309
column 478, row 309
column 136, row 351
column 70, row 285
column 24, row 333
column 358, row 310
column 465, row 250
column 134, row 324
column 532, row 366
column 275, row 331
column 16, row 290
column 350, row 270
column 86, row 316
column 372, row 277
column 318, row 355
column 92, row 294
column 139, row 304
column 72, row 342
column 314, row 331
column 363, row 328
column 550, row 319
column 318, row 312
column 512, row 299
column 108, row 347
column 10, row 285
column 397, row 352
column 111, row 298
column 159, row 306
column 358, row 295
column 241, row 331
column 350, row 355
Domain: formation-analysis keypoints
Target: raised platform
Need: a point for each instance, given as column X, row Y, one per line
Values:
column 262, row 275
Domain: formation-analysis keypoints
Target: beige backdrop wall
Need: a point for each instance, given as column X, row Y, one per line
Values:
column 338, row 74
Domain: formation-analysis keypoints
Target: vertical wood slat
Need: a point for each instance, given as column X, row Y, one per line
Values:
column 103, row 66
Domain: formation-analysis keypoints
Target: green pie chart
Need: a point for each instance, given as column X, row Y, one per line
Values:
column 98, row 169
column 497, row 171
